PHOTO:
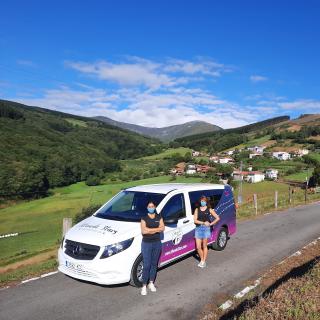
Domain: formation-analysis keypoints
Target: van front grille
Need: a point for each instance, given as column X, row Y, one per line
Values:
column 80, row 251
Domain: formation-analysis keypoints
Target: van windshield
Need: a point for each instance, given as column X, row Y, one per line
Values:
column 129, row 206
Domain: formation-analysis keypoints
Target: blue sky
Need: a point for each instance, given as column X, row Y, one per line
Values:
column 159, row 63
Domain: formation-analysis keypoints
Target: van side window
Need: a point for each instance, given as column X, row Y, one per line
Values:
column 213, row 195
column 174, row 208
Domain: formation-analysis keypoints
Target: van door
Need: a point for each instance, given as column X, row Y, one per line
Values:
column 178, row 237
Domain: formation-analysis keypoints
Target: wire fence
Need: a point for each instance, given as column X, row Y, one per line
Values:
column 261, row 203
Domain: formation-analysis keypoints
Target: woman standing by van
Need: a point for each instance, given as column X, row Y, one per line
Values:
column 202, row 234
column 151, row 226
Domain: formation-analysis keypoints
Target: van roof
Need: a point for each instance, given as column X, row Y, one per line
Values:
column 167, row 187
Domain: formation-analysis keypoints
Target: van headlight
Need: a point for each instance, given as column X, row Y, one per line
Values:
column 115, row 248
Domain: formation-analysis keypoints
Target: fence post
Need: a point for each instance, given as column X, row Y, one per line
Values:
column 66, row 225
column 276, row 199
column 255, row 202
column 290, row 199
column 305, row 192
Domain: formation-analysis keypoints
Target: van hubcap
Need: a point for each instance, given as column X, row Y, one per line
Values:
column 222, row 239
column 139, row 271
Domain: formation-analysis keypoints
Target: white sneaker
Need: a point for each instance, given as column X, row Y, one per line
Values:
column 152, row 287
column 202, row 264
column 199, row 264
column 144, row 291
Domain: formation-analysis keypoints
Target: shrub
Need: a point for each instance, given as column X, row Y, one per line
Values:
column 85, row 213
column 93, row 181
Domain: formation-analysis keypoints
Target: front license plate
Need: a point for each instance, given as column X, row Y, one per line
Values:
column 74, row 266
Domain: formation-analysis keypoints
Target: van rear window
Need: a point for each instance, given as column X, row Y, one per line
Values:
column 214, row 197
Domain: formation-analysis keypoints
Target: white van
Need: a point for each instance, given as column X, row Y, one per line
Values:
column 106, row 247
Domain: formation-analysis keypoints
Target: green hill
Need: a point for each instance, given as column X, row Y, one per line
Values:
column 41, row 149
column 224, row 139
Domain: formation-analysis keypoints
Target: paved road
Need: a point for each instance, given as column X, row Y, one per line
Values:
column 183, row 288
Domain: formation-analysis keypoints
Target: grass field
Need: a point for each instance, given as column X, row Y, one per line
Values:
column 299, row 176
column 168, row 153
column 39, row 222
column 251, row 142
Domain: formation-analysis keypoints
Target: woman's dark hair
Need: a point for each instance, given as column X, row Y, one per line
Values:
column 152, row 203
column 207, row 199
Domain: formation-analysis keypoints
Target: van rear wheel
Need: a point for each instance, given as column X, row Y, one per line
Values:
column 222, row 240
column 136, row 272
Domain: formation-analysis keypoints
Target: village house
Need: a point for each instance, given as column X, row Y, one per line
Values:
column 230, row 152
column 256, row 149
column 255, row 176
column 202, row 168
column 253, row 155
column 195, row 153
column 249, row 176
column 191, row 169
column 239, row 175
column 281, row 155
column 179, row 169
column 225, row 160
column 271, row 174
column 300, row 152
column 214, row 159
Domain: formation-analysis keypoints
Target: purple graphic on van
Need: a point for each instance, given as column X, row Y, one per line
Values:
column 181, row 244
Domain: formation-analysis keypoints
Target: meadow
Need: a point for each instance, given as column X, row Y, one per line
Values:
column 39, row 222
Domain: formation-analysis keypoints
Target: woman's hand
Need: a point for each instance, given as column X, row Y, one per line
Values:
column 217, row 218
column 207, row 224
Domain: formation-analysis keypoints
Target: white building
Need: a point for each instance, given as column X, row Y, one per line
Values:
column 281, row 155
column 225, row 160
column 191, row 169
column 230, row 152
column 300, row 152
column 195, row 153
column 249, row 176
column 253, row 155
column 271, row 174
column 256, row 149
column 255, row 176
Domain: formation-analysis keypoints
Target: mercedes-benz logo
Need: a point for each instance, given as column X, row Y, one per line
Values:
column 76, row 250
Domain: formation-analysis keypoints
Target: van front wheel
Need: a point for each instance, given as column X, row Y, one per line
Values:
column 136, row 272
column 222, row 240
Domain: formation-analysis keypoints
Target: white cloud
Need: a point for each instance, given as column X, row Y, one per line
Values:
column 154, row 109
column 305, row 105
column 257, row 78
column 136, row 71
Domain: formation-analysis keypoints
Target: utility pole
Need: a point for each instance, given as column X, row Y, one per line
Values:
column 240, row 187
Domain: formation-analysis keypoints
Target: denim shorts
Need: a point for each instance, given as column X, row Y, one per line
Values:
column 202, row 232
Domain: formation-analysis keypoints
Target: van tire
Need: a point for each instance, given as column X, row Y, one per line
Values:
column 134, row 280
column 222, row 240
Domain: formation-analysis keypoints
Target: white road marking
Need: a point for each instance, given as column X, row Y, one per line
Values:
column 226, row 305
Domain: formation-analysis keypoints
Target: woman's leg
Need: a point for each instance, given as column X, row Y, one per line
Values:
column 205, row 249
column 156, row 251
column 199, row 248
column 146, row 249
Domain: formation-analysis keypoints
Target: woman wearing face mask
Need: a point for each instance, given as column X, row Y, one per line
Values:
column 151, row 226
column 202, row 234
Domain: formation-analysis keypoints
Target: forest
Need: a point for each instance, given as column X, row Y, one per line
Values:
column 42, row 149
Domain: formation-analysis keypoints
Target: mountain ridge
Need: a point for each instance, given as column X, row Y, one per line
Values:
column 167, row 133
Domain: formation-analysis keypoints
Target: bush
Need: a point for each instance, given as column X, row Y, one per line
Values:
column 93, row 181
column 85, row 213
